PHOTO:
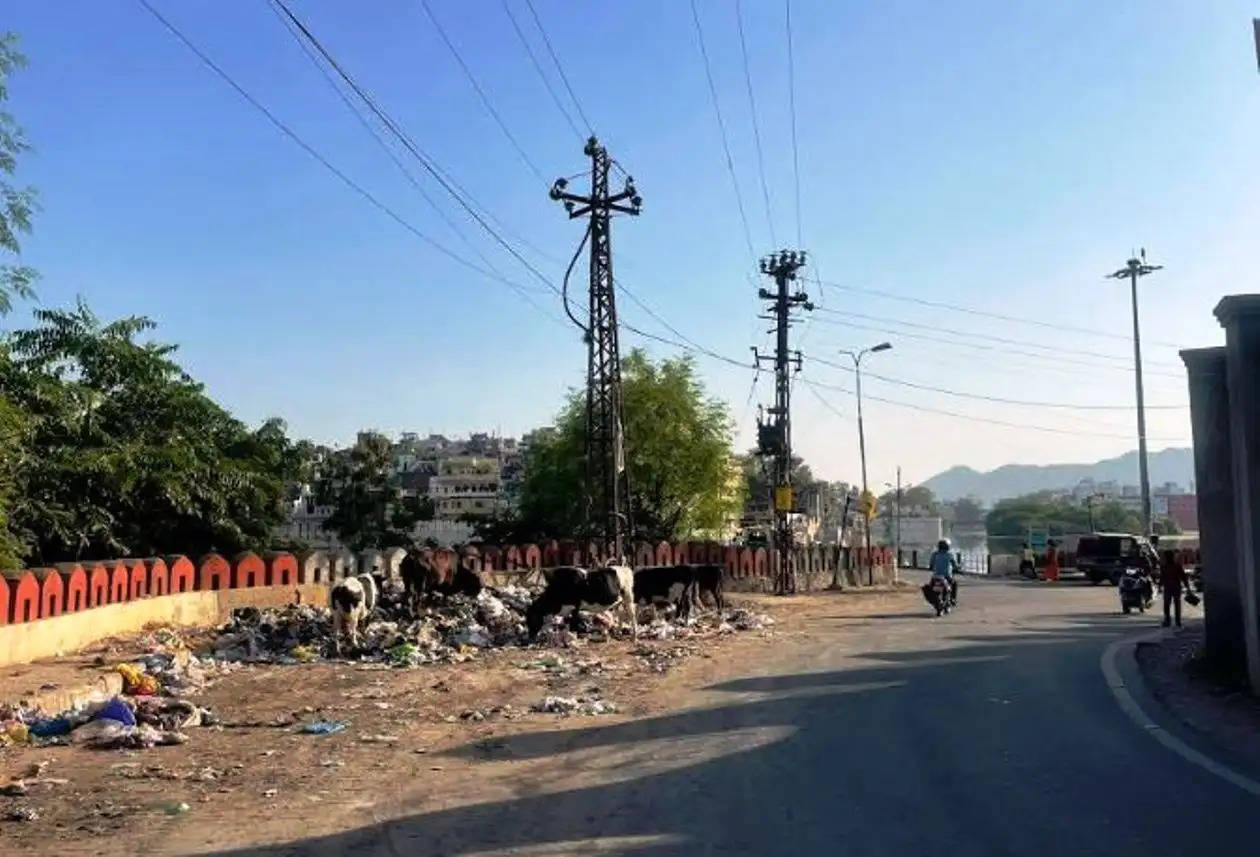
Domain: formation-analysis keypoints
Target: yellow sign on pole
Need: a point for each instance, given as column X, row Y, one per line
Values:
column 783, row 498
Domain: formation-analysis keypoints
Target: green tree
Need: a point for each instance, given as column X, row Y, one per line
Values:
column 1008, row 522
column 967, row 510
column 16, row 203
column 683, row 476
column 125, row 453
column 369, row 510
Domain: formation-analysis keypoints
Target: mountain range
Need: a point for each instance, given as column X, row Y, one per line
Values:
column 1011, row 480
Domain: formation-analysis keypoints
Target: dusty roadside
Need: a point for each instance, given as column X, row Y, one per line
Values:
column 1217, row 707
column 267, row 782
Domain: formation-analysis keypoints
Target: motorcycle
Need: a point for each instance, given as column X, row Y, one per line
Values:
column 1135, row 591
column 937, row 592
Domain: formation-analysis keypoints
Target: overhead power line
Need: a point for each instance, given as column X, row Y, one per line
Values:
column 328, row 165
column 555, row 96
column 1051, row 325
column 555, row 58
column 796, row 162
column 756, row 125
column 481, row 94
column 974, row 418
column 895, row 402
column 958, row 343
column 726, row 143
column 410, row 145
column 991, row 338
column 380, row 141
column 995, row 399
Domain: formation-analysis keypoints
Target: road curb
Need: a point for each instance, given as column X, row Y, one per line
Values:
column 1124, row 692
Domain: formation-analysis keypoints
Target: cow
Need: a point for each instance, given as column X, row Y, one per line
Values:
column 665, row 584
column 708, row 579
column 597, row 590
column 421, row 574
column 352, row 601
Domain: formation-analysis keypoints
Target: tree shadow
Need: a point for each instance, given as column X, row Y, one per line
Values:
column 842, row 759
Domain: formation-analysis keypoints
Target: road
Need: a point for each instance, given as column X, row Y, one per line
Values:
column 987, row 732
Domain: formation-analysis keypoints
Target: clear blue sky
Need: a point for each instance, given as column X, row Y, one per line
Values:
column 994, row 155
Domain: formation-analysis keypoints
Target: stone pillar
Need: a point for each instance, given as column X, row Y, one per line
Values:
column 1214, row 485
column 1240, row 316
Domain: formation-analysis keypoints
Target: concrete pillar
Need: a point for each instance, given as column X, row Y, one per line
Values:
column 1240, row 316
column 1214, row 482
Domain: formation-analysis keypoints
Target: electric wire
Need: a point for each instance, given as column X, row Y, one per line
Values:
column 481, row 94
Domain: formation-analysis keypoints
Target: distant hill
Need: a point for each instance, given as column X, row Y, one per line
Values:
column 1012, row 480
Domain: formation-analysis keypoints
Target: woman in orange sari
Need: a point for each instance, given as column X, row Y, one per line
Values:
column 1052, row 560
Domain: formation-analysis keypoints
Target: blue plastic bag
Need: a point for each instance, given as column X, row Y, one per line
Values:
column 118, row 710
column 324, row 727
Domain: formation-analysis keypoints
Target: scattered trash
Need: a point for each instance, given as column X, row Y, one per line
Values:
column 324, row 727
column 118, row 711
column 16, row 732
column 137, row 682
column 51, row 727
column 270, row 793
column 17, row 788
column 22, row 813
column 180, row 808
column 574, row 705
column 378, row 739
column 332, row 763
column 106, row 733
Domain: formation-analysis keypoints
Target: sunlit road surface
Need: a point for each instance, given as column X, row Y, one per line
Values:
column 987, row 732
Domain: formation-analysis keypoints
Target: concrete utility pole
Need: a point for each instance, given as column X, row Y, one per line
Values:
column 608, row 515
column 866, row 506
column 1133, row 269
column 774, row 438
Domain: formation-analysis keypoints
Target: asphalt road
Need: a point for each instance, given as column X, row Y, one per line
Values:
column 988, row 732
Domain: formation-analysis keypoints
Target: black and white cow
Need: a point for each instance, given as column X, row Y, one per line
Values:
column 708, row 579
column 665, row 584
column 596, row 590
column 352, row 601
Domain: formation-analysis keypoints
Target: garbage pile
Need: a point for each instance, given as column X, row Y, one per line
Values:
column 570, row 705
column 152, row 710
column 448, row 629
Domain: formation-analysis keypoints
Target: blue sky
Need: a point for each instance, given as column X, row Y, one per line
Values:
column 996, row 156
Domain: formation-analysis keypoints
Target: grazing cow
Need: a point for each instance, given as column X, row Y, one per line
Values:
column 422, row 574
column 352, row 601
column 665, row 584
column 596, row 590
column 418, row 575
column 708, row 579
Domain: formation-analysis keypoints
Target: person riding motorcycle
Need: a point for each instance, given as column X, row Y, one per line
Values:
column 944, row 565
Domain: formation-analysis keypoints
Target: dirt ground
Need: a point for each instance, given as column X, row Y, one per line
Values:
column 257, row 779
column 1217, row 707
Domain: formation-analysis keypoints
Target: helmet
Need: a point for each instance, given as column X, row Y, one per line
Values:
column 942, row 545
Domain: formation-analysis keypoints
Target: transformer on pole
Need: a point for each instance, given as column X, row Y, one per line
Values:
column 774, row 436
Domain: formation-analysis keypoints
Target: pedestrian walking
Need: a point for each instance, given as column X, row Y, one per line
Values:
column 1172, row 575
column 1027, row 561
column 1052, row 560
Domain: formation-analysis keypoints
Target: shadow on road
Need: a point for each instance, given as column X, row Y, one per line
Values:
column 844, row 766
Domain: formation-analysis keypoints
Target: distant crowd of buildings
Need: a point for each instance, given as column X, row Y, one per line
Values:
column 474, row 477
column 1169, row 500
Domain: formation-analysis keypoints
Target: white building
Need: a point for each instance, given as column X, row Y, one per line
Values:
column 466, row 485
column 306, row 522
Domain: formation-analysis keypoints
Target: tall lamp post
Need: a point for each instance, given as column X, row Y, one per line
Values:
column 1133, row 269
column 866, row 511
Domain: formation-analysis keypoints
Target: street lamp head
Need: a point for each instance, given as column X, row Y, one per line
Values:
column 883, row 346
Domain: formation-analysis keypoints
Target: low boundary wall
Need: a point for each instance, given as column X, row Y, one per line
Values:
column 47, row 611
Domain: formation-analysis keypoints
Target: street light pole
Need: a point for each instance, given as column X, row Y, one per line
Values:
column 1133, row 269
column 897, row 566
column 866, row 506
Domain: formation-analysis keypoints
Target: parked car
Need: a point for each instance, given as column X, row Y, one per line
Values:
column 1105, row 556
